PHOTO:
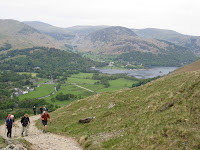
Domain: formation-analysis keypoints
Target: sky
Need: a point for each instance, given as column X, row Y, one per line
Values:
column 180, row 15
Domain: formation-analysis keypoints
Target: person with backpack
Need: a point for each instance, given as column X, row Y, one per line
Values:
column 25, row 121
column 9, row 122
column 34, row 110
column 41, row 110
column 44, row 118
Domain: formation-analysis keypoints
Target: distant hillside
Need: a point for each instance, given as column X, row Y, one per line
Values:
column 59, row 33
column 20, row 35
column 127, row 45
column 191, row 42
column 163, row 114
column 119, row 41
column 55, row 32
column 84, row 30
column 110, row 34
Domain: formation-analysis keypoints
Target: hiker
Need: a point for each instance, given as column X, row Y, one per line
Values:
column 45, row 109
column 44, row 118
column 41, row 110
column 9, row 122
column 25, row 121
column 34, row 110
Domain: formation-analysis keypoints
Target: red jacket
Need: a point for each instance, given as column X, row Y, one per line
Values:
column 45, row 116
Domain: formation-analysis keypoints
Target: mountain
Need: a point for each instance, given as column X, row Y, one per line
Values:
column 59, row 33
column 20, row 35
column 55, row 32
column 191, row 42
column 85, row 30
column 126, row 45
column 163, row 114
column 110, row 34
column 115, row 40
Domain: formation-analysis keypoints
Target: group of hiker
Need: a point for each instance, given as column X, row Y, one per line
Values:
column 25, row 121
column 42, row 109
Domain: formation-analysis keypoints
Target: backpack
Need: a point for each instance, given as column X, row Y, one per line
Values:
column 25, row 121
column 8, row 116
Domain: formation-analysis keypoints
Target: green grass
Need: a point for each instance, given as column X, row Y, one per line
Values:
column 83, row 75
column 33, row 74
column 85, row 80
column 141, row 119
column 69, row 89
column 81, row 81
column 42, row 80
column 41, row 91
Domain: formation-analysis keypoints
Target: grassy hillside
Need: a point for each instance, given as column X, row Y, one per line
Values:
column 191, row 67
column 163, row 114
column 132, row 49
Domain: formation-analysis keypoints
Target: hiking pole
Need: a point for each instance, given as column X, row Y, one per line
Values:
column 15, row 132
column 5, row 130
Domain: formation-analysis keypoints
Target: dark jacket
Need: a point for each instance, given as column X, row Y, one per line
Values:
column 9, row 122
column 34, row 108
column 25, row 121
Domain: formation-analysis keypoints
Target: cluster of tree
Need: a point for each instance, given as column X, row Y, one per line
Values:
column 144, row 81
column 65, row 97
column 47, row 62
column 29, row 103
column 98, row 76
column 6, row 46
column 8, row 103
column 105, row 82
column 10, row 80
column 178, row 57
column 6, row 76
column 19, row 108
column 17, row 112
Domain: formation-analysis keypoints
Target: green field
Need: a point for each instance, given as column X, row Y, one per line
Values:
column 33, row 74
column 86, row 81
column 41, row 91
column 69, row 89
column 82, row 79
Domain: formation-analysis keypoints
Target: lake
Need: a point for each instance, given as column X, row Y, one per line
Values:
column 140, row 74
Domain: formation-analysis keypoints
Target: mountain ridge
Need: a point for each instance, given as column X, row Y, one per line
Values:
column 191, row 42
column 20, row 35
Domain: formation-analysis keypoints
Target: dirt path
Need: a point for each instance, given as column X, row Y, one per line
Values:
column 82, row 87
column 47, row 141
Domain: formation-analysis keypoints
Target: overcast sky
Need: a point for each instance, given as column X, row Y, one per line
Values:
column 180, row 15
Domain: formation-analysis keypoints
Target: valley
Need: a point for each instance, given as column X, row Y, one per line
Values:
column 138, row 87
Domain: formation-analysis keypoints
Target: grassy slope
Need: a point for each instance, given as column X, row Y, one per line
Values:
column 192, row 67
column 137, row 122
